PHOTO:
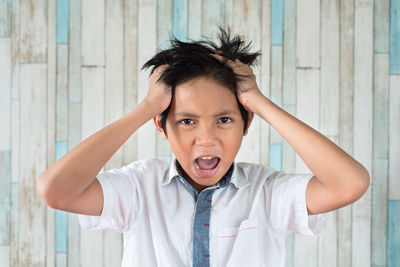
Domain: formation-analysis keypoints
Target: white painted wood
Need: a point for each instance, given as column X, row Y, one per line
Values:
column 14, row 231
column 329, row 112
column 74, row 44
column 62, row 93
column 212, row 16
column 394, row 151
column 5, row 93
column 93, row 32
column 289, row 53
column 346, row 85
column 305, row 251
column 5, row 256
column 32, row 210
column 131, row 68
column 264, row 77
column 308, row 33
column 61, row 260
column 15, row 51
column 74, row 229
column 33, row 30
column 147, row 42
column 247, row 23
column 229, row 17
column 164, row 23
column 91, row 253
column 114, row 82
column 195, row 18
column 113, row 247
column 276, row 86
column 307, row 105
column 362, row 138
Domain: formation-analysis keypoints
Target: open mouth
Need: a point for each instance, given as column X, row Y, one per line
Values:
column 206, row 166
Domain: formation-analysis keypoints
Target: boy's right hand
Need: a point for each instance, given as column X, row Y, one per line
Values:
column 159, row 94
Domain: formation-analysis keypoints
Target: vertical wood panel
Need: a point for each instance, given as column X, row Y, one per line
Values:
column 180, row 18
column 5, row 18
column 212, row 12
column 393, row 233
column 5, row 256
column 362, row 143
column 32, row 211
column 276, row 22
column 62, row 21
column 33, row 46
column 14, row 230
column 93, row 32
column 15, row 51
column 5, row 199
column 308, row 32
column 346, row 87
column 394, row 37
column 147, row 47
column 74, row 81
column 329, row 120
column 5, row 93
column 381, row 26
column 92, row 248
column 394, row 130
column 62, row 93
column 194, row 21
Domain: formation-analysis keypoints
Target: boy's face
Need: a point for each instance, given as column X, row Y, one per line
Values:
column 204, row 129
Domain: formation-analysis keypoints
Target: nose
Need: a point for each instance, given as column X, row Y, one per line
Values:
column 206, row 136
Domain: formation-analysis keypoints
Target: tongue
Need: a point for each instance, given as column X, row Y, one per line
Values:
column 207, row 164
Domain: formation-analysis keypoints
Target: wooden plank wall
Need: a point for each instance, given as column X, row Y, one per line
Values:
column 70, row 67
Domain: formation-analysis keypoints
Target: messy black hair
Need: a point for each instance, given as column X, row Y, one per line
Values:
column 191, row 60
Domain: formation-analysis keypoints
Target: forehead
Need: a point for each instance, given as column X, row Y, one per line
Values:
column 205, row 94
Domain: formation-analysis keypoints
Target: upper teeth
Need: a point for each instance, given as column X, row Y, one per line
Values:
column 207, row 157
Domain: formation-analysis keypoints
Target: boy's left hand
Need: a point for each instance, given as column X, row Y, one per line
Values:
column 247, row 89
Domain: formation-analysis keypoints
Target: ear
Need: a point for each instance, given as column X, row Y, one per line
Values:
column 251, row 116
column 157, row 123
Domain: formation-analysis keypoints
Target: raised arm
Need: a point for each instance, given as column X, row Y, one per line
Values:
column 70, row 184
column 338, row 178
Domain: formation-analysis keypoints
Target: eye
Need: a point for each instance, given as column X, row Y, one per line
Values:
column 186, row 121
column 224, row 120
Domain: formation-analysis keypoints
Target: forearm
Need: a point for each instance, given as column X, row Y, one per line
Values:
column 329, row 163
column 77, row 169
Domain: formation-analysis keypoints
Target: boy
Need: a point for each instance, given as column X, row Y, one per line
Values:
column 203, row 209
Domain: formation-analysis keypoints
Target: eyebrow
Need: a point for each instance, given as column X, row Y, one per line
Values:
column 191, row 115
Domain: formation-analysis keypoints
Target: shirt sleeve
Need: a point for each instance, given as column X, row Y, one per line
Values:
column 288, row 209
column 120, row 201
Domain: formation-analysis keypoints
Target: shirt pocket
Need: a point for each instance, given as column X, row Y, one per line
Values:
column 239, row 246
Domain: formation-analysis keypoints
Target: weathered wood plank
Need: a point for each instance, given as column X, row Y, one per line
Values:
column 277, row 22
column 92, row 41
column 276, row 86
column 289, row 53
column 212, row 16
column 5, row 94
column 362, row 138
column 164, row 23
column 5, row 256
column 247, row 23
column 275, row 156
column 14, row 229
column 32, row 210
column 5, row 199
column 180, row 19
column 308, row 33
column 393, row 242
column 113, row 247
column 329, row 94
column 5, row 18
column 346, row 85
column 381, row 26
column 62, row 93
column 75, row 79
column 92, row 253
column 33, row 30
column 394, row 37
column 130, row 72
column 147, row 44
column 327, row 243
column 379, row 212
column 74, row 228
column 394, row 130
column 62, row 21
column 61, row 260
column 305, row 250
column 194, row 21
column 307, row 105
column 381, row 106
column 15, row 51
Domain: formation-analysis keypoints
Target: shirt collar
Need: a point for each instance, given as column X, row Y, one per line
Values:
column 238, row 178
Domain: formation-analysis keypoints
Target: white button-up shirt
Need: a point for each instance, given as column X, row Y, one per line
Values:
column 154, row 208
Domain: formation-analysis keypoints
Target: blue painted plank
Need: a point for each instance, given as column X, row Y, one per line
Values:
column 5, row 18
column 394, row 37
column 62, row 21
column 5, row 197
column 381, row 26
column 179, row 19
column 61, row 217
column 74, row 53
column 61, row 235
column 393, row 245
column 276, row 22
column 275, row 156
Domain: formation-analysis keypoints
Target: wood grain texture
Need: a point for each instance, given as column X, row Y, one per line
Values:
column 394, row 37
column 393, row 256
column 5, row 18
column 74, row 52
column 33, row 31
column 5, row 93
column 93, row 19
column 381, row 26
column 394, row 122
column 32, row 210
